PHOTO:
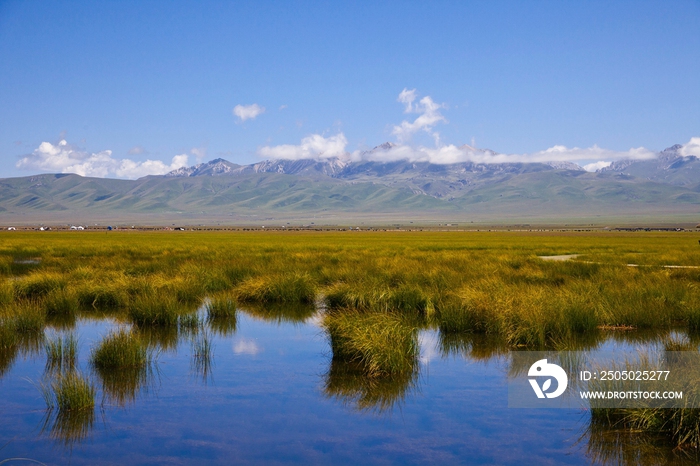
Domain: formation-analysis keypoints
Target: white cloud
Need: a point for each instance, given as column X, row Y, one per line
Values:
column 246, row 346
column 595, row 166
column 429, row 116
column 691, row 148
column 130, row 169
column 447, row 154
column 248, row 112
column 312, row 147
column 199, row 153
column 64, row 158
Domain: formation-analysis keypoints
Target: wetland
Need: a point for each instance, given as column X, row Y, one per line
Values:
column 330, row 347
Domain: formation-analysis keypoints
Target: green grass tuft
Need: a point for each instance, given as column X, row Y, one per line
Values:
column 70, row 392
column 160, row 310
column 382, row 344
column 120, row 349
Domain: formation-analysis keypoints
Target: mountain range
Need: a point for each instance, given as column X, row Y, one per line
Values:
column 666, row 188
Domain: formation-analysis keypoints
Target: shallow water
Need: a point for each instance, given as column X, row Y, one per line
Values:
column 272, row 394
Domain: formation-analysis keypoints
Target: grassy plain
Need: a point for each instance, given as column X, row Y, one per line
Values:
column 378, row 288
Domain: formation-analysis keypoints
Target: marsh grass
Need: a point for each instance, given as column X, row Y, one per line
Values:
column 70, row 399
column 160, row 310
column 222, row 314
column 61, row 353
column 70, row 391
column 38, row 284
column 470, row 285
column 221, row 306
column 381, row 344
column 21, row 331
column 123, row 364
column 101, row 296
column 62, row 302
column 278, row 288
column 120, row 349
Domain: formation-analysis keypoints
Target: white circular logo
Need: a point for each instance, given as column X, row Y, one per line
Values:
column 542, row 369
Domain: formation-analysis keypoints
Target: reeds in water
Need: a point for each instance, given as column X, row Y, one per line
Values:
column 278, row 288
column 160, row 310
column 123, row 364
column 70, row 399
column 120, row 349
column 382, row 344
column 222, row 314
column 69, row 392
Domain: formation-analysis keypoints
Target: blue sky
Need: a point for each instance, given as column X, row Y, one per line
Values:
column 139, row 87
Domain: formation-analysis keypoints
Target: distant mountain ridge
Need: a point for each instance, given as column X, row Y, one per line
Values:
column 668, row 184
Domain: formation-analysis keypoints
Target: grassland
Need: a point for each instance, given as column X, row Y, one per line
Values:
column 377, row 288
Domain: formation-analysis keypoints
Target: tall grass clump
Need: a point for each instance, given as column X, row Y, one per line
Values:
column 101, row 296
column 38, row 285
column 8, row 345
column 222, row 314
column 69, row 392
column 382, row 344
column 61, row 353
column 123, row 364
column 221, row 306
column 469, row 311
column 118, row 350
column 62, row 303
column 6, row 292
column 160, row 310
column 278, row 288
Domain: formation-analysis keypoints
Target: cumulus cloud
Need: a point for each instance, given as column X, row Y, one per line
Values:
column 65, row 158
column 429, row 116
column 199, row 153
column 691, row 148
column 314, row 147
column 595, row 166
column 248, row 112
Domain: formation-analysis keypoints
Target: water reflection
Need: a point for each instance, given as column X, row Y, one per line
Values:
column 202, row 355
column 68, row 427
column 472, row 346
column 25, row 344
column 161, row 339
column 346, row 382
column 223, row 326
column 122, row 386
column 281, row 313
column 62, row 321
column 608, row 445
column 8, row 354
